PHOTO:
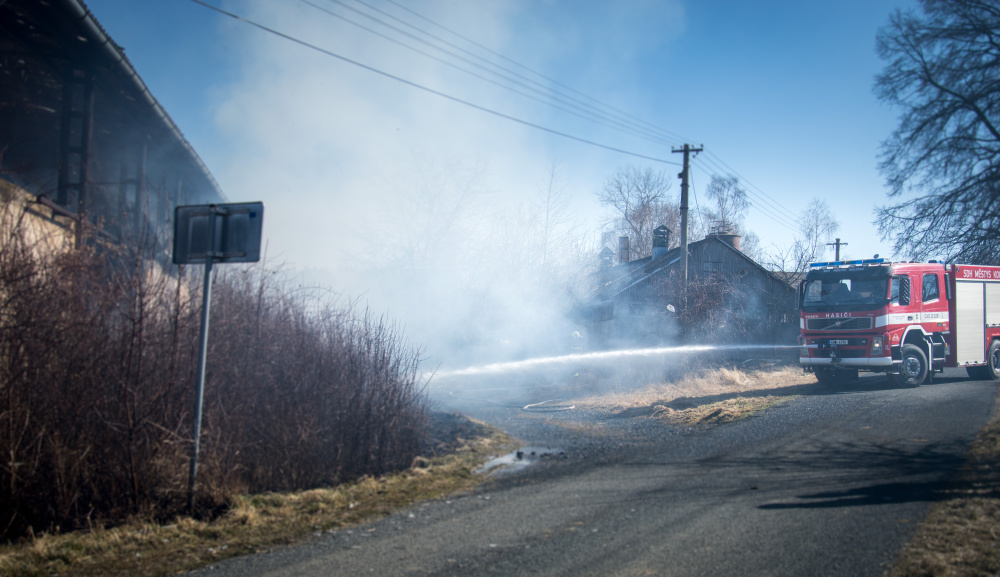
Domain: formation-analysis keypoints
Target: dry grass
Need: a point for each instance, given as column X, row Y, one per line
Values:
column 97, row 375
column 961, row 534
column 711, row 396
column 720, row 412
column 253, row 523
column 959, row 537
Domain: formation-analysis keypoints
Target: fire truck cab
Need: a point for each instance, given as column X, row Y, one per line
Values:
column 909, row 320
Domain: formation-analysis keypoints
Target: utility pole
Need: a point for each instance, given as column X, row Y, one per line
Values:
column 687, row 150
column 837, row 244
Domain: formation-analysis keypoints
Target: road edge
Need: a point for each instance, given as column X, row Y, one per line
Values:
column 960, row 535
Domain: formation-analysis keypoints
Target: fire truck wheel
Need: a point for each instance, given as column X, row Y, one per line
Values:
column 994, row 359
column 913, row 369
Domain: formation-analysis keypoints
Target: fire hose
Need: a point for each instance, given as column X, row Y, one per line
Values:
column 545, row 407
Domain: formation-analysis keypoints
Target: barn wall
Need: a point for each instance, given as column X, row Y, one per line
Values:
column 82, row 130
column 45, row 232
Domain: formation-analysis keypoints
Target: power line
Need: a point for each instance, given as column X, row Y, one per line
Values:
column 583, row 111
column 761, row 200
column 622, row 114
column 427, row 89
column 697, row 207
column 598, row 114
column 763, row 209
column 773, row 209
column 718, row 161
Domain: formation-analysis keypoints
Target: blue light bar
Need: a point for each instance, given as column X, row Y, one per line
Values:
column 867, row 261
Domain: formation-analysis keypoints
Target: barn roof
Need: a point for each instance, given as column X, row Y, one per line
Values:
column 45, row 44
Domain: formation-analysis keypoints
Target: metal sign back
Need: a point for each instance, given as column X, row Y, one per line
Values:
column 208, row 234
column 220, row 232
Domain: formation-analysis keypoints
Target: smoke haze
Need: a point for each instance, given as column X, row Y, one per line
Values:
column 458, row 224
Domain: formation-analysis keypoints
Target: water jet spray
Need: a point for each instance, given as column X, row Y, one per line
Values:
column 513, row 366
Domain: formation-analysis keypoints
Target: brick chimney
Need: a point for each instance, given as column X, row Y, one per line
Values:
column 724, row 232
column 623, row 250
column 732, row 240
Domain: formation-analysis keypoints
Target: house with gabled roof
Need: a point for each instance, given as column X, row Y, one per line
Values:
column 729, row 298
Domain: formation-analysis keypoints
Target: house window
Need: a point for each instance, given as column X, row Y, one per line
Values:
column 709, row 266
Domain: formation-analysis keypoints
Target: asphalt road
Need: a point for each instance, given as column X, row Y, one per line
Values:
column 831, row 483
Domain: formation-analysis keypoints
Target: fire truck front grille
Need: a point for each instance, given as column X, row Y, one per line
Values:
column 849, row 324
column 852, row 353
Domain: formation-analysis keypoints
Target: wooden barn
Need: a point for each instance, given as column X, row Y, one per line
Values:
column 84, row 144
column 730, row 298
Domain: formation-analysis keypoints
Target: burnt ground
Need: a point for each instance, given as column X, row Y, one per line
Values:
column 535, row 408
column 541, row 418
column 579, row 437
column 445, row 431
column 534, row 405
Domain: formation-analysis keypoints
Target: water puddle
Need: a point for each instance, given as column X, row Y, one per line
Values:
column 519, row 459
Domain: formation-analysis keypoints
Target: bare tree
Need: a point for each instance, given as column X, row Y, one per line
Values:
column 943, row 69
column 817, row 225
column 97, row 370
column 729, row 215
column 731, row 202
column 637, row 199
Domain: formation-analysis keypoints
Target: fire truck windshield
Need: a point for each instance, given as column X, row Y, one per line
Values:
column 846, row 289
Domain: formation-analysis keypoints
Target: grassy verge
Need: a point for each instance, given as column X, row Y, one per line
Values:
column 253, row 522
column 713, row 396
column 961, row 534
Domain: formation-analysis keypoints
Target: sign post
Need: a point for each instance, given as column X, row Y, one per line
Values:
column 208, row 234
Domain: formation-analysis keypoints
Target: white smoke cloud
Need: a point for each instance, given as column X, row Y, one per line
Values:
column 425, row 208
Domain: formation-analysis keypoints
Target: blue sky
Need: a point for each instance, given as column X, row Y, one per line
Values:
column 778, row 91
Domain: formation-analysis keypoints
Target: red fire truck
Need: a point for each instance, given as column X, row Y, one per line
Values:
column 907, row 319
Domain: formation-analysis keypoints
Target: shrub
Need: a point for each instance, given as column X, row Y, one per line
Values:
column 97, row 370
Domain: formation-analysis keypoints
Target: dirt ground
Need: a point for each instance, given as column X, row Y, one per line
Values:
column 710, row 396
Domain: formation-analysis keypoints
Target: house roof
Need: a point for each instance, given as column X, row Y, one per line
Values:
column 628, row 275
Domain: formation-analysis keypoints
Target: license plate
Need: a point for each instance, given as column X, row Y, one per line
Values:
column 838, row 341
